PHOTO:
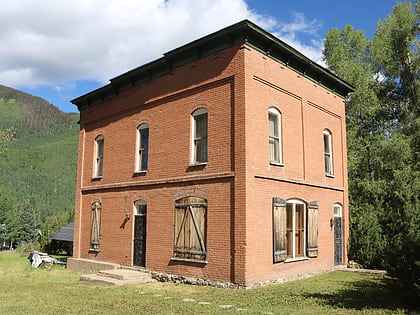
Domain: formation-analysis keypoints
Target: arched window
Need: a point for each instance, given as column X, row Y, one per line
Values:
column 142, row 148
column 199, row 138
column 328, row 155
column 295, row 229
column 190, row 229
column 99, row 156
column 274, row 137
column 95, row 227
column 140, row 207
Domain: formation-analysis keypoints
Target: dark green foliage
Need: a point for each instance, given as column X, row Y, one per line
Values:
column 383, row 120
column 9, row 224
column 38, row 156
column 28, row 230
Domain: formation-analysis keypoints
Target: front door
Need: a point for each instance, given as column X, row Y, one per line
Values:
column 139, row 256
column 338, row 236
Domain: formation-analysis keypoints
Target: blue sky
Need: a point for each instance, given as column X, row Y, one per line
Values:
column 60, row 49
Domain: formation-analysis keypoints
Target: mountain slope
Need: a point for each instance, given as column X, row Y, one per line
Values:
column 28, row 112
column 40, row 163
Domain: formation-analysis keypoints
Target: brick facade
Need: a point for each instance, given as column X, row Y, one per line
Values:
column 236, row 85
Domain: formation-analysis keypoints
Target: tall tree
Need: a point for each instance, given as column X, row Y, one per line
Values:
column 8, row 214
column 383, row 139
column 28, row 232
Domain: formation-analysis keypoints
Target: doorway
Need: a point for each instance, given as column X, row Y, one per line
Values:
column 338, row 235
column 139, row 255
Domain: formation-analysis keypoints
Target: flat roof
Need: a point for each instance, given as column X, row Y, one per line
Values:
column 244, row 32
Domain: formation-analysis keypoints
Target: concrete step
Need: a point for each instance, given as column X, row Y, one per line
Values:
column 118, row 277
column 125, row 274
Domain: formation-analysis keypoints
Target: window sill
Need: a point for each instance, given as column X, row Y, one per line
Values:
column 96, row 178
column 296, row 259
column 94, row 250
column 189, row 260
column 140, row 173
column 329, row 175
column 276, row 164
column 197, row 164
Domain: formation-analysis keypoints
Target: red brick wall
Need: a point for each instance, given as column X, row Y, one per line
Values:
column 166, row 104
column 306, row 110
column 236, row 86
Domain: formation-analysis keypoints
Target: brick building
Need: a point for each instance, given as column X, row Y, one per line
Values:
column 225, row 160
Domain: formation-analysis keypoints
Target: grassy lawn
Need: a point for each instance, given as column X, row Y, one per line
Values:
column 58, row 291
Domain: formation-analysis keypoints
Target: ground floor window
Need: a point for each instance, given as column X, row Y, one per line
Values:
column 95, row 227
column 295, row 229
column 190, row 229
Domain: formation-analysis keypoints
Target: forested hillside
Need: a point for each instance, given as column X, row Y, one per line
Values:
column 38, row 154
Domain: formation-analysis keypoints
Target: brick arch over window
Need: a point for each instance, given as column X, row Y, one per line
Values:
column 190, row 229
column 190, row 192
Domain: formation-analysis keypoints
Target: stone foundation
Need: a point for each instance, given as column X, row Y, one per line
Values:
column 163, row 277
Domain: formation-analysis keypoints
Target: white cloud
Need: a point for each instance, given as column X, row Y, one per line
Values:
column 293, row 33
column 54, row 41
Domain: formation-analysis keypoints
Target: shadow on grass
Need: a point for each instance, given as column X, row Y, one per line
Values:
column 367, row 294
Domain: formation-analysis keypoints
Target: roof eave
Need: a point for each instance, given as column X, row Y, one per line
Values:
column 244, row 32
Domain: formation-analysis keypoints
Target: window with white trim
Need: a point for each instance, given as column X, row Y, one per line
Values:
column 99, row 156
column 199, row 138
column 295, row 229
column 328, row 156
column 142, row 158
column 274, row 137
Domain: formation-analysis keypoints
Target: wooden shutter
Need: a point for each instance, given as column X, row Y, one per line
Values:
column 190, row 228
column 312, row 247
column 279, row 229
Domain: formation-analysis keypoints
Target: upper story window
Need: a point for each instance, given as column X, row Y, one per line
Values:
column 274, row 137
column 142, row 147
column 99, row 157
column 328, row 156
column 199, row 132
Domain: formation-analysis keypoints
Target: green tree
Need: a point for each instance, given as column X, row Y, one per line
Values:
column 8, row 215
column 383, row 140
column 28, row 231
column 6, row 137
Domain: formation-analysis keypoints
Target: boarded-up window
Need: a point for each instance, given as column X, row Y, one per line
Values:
column 190, row 228
column 95, row 227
